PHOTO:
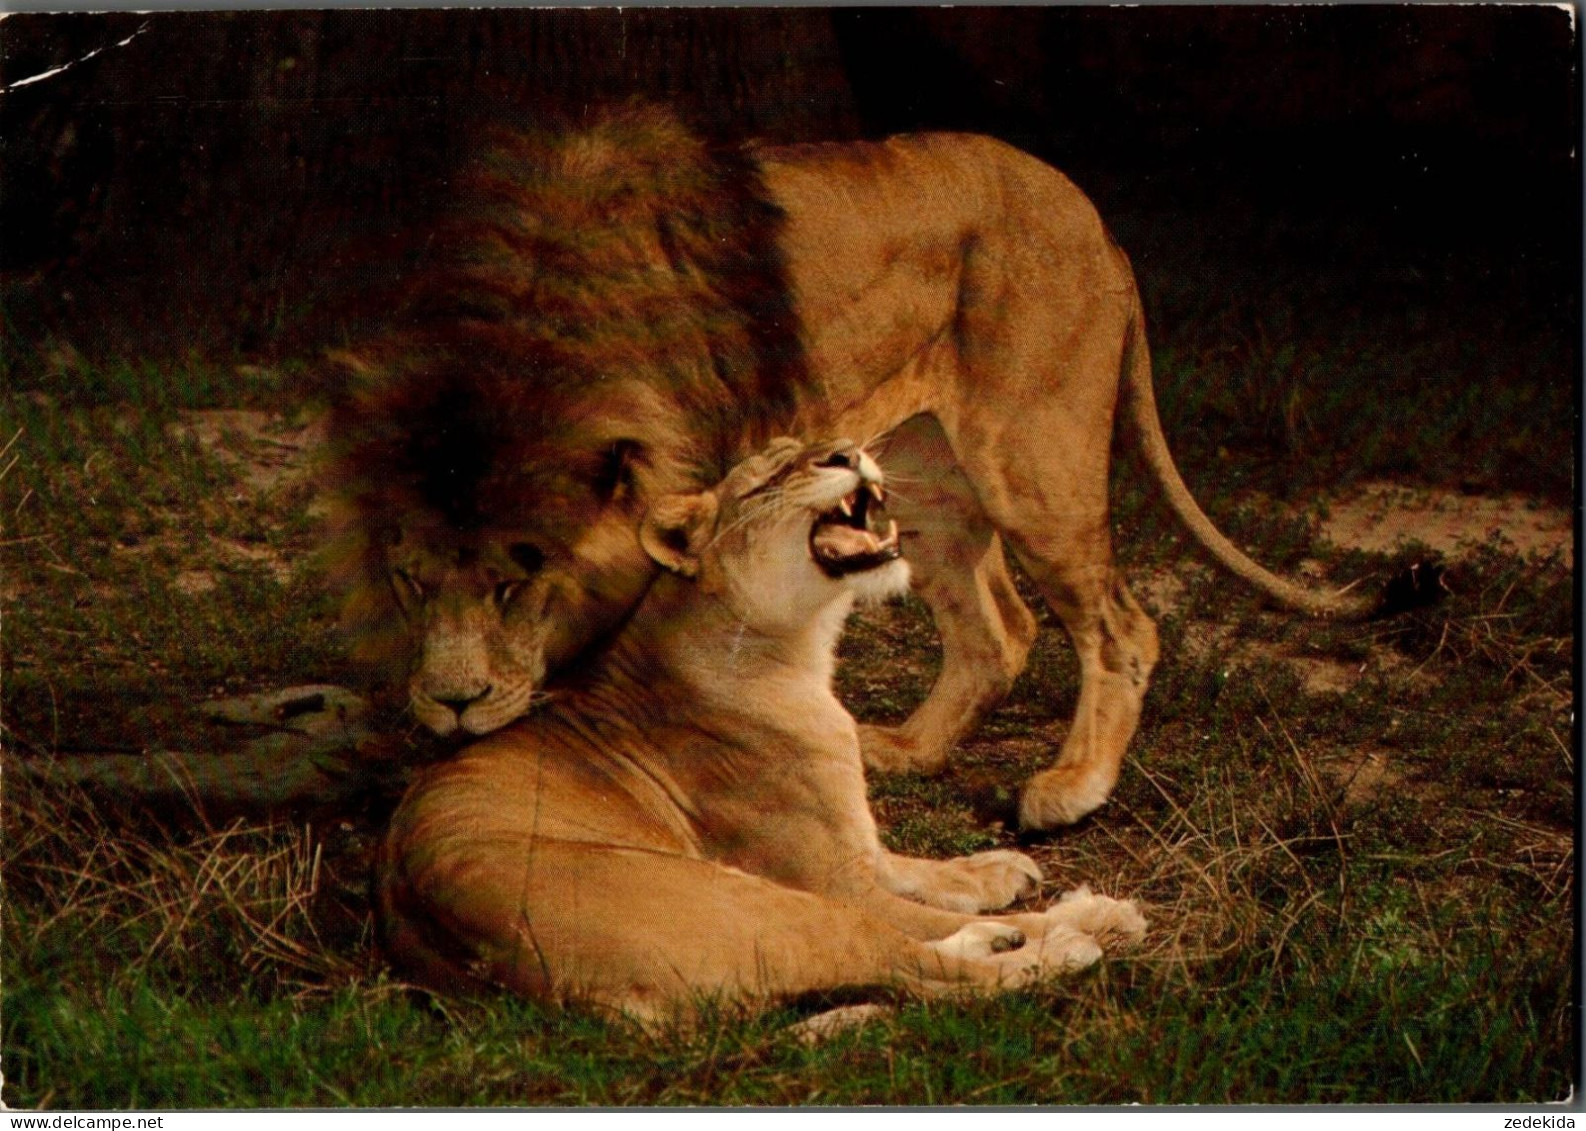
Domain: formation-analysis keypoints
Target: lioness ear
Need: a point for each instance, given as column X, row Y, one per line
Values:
column 675, row 529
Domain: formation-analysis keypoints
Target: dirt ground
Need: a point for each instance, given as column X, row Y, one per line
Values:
column 1383, row 516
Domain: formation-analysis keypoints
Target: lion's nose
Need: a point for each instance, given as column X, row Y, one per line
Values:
column 458, row 704
column 845, row 455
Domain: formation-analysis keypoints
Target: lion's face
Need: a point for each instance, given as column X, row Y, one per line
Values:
column 789, row 533
column 493, row 613
column 490, row 527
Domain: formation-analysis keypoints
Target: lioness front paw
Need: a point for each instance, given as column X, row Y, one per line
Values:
column 986, row 881
column 1059, row 950
column 1064, row 951
column 1077, row 928
column 1109, row 920
column 981, row 939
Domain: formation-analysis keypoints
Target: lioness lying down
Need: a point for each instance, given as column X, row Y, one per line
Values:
column 689, row 822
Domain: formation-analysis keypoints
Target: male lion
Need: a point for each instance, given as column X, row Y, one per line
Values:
column 689, row 823
column 622, row 312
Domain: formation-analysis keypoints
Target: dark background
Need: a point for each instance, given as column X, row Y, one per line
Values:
column 219, row 184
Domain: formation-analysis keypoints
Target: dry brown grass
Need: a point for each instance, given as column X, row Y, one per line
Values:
column 184, row 896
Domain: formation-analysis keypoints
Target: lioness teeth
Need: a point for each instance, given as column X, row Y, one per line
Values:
column 834, row 542
column 841, row 548
column 847, row 538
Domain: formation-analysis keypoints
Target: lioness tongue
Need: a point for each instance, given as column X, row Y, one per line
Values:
column 834, row 542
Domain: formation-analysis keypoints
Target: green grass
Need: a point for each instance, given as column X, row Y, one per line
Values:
column 1383, row 1023
column 1360, row 895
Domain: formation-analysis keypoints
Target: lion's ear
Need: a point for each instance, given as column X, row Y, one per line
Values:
column 675, row 529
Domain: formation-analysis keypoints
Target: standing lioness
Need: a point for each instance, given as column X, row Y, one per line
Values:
column 690, row 822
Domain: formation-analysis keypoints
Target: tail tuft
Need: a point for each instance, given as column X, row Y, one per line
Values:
column 1416, row 587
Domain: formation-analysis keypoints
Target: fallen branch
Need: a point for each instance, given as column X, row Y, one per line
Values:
column 311, row 756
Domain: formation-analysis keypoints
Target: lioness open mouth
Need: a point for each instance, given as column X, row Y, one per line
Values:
column 842, row 541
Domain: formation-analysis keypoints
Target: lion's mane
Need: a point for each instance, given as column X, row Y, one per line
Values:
column 624, row 277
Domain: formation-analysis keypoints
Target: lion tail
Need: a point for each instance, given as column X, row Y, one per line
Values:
column 1420, row 585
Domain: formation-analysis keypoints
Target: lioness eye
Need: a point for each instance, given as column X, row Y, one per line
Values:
column 530, row 559
column 506, row 591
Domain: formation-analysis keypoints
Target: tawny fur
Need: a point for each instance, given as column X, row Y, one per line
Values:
column 689, row 825
column 622, row 311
